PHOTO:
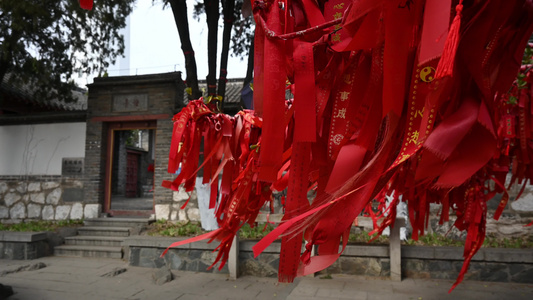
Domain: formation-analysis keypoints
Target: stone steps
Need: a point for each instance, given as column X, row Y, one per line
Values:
column 102, row 237
column 104, row 231
column 120, row 222
column 87, row 240
column 88, row 251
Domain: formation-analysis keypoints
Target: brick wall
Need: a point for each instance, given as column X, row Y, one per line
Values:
column 94, row 162
column 163, row 138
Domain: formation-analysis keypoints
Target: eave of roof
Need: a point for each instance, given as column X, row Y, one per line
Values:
column 17, row 95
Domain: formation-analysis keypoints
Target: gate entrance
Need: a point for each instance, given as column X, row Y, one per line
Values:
column 130, row 168
column 131, row 116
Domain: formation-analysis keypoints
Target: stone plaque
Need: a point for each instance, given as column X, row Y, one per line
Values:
column 73, row 195
column 72, row 166
column 130, row 103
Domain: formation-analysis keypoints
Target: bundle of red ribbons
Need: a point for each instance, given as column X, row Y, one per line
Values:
column 402, row 98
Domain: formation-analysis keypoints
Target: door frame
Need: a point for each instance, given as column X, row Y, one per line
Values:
column 111, row 128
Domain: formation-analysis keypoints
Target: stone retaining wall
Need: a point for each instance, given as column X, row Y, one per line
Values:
column 43, row 198
column 173, row 211
column 145, row 251
column 489, row 264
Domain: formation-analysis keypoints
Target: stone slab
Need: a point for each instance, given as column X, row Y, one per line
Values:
column 247, row 246
column 162, row 242
column 507, row 255
column 418, row 252
column 73, row 194
column 503, row 255
column 14, row 236
column 366, row 250
column 161, row 275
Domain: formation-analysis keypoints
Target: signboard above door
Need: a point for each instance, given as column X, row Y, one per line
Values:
column 130, row 103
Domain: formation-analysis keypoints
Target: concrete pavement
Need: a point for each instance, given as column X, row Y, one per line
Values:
column 83, row 278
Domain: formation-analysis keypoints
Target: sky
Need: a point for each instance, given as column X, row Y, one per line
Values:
column 154, row 45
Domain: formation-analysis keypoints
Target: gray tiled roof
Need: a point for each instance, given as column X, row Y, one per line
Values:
column 25, row 92
column 233, row 90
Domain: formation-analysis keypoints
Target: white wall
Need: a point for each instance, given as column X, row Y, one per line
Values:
column 39, row 149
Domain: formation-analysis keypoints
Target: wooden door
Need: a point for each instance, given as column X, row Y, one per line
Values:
column 131, row 174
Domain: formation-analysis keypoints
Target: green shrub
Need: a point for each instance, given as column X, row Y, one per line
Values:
column 363, row 237
column 491, row 241
column 257, row 232
column 167, row 228
column 434, row 239
column 40, row 225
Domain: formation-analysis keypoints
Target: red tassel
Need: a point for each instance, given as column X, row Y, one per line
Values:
column 86, row 4
column 446, row 63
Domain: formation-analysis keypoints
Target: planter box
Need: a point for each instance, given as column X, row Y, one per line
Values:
column 29, row 245
column 23, row 245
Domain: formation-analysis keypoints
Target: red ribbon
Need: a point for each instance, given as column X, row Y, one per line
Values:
column 399, row 25
column 296, row 203
column 435, row 30
column 305, row 96
column 274, row 91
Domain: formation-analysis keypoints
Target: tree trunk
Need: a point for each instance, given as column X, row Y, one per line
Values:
column 250, row 66
column 179, row 9
column 3, row 69
column 6, row 57
column 229, row 18
column 249, row 71
column 212, row 15
column 7, row 52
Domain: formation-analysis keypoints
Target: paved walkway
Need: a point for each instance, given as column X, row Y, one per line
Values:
column 81, row 278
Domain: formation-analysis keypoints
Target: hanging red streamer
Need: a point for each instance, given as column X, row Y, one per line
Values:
column 415, row 102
